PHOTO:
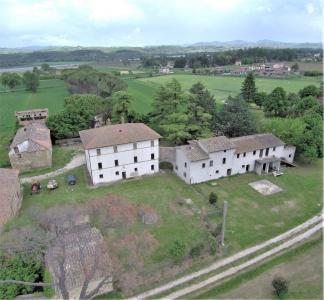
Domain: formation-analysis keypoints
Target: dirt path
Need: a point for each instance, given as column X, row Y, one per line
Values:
column 77, row 161
column 229, row 260
column 234, row 270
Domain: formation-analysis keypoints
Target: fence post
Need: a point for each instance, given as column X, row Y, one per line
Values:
column 225, row 205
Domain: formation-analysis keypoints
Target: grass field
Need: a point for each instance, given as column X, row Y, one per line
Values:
column 51, row 94
column 143, row 90
column 302, row 267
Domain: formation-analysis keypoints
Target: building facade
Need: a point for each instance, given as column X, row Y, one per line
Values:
column 121, row 151
column 10, row 196
column 209, row 159
column 29, row 116
column 31, row 148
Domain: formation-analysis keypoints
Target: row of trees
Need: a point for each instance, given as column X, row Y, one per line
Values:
column 29, row 79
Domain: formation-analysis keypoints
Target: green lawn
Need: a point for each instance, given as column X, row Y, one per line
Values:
column 253, row 218
column 50, row 95
column 302, row 267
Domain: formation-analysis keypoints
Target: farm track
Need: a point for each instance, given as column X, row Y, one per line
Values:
column 288, row 239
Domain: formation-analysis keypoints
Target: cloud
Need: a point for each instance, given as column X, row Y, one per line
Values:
column 149, row 22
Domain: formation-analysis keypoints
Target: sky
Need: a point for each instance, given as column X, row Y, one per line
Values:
column 156, row 22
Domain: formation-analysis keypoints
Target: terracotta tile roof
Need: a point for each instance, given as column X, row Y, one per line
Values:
column 117, row 135
column 37, row 135
column 214, row 144
column 256, row 142
column 9, row 186
column 193, row 151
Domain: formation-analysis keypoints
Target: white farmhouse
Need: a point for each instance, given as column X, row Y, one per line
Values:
column 216, row 157
column 120, row 151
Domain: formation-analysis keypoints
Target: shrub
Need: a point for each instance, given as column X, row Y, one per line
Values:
column 280, row 285
column 177, row 251
column 196, row 250
column 212, row 198
column 165, row 165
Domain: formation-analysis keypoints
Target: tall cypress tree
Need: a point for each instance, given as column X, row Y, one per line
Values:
column 248, row 89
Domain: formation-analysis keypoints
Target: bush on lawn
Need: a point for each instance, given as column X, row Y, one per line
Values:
column 177, row 251
column 280, row 285
column 196, row 250
column 212, row 198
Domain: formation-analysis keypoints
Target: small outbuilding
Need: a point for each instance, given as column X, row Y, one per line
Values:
column 26, row 117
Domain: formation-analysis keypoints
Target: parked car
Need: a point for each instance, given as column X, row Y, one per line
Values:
column 35, row 187
column 71, row 179
column 52, row 184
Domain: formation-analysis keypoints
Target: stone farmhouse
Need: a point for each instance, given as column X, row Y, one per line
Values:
column 10, row 196
column 208, row 159
column 31, row 147
column 116, row 152
column 28, row 116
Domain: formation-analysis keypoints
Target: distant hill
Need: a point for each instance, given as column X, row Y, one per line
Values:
column 261, row 43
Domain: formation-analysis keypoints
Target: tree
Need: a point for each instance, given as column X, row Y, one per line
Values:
column 259, row 98
column 276, row 104
column 79, row 111
column 20, row 267
column 212, row 198
column 235, row 118
column 280, row 285
column 169, row 113
column 10, row 80
column 180, row 62
column 31, row 81
column 248, row 89
column 122, row 107
column 295, row 67
column 307, row 103
column 109, row 84
column 310, row 90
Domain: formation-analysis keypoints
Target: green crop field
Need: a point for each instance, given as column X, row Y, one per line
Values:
column 222, row 86
column 50, row 95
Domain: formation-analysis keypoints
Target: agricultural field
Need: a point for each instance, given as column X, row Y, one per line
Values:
column 301, row 266
column 222, row 86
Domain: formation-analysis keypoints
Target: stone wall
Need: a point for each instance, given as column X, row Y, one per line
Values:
column 31, row 160
column 168, row 154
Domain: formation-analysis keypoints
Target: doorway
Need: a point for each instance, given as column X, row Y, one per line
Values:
column 229, row 172
column 124, row 175
column 264, row 167
column 247, row 168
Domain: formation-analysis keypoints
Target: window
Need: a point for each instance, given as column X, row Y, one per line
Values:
column 244, row 154
column 217, row 171
column 267, row 152
column 135, row 159
column 184, row 174
column 135, row 169
column 152, row 155
column 203, row 165
column 254, row 152
column 224, row 150
column 98, row 151
column 152, row 167
column 101, row 176
column 211, row 163
column 224, row 160
column 243, row 166
column 152, row 143
column 115, row 149
column 99, row 165
column 274, row 148
column 134, row 146
column 289, row 155
column 116, row 162
column 238, row 155
column 117, row 173
column 185, row 165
